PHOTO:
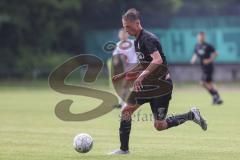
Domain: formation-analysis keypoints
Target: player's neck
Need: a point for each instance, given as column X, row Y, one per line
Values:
column 139, row 32
column 124, row 40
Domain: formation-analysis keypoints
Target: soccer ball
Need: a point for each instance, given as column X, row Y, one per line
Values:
column 82, row 143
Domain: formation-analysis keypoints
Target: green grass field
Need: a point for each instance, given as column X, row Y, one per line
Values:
column 29, row 129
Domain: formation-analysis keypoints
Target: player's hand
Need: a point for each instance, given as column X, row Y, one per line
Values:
column 118, row 76
column 138, row 84
column 207, row 61
column 192, row 62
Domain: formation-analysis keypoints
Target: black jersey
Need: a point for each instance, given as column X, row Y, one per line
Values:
column 146, row 44
column 204, row 51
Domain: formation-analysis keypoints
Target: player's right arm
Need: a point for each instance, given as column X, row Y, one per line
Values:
column 134, row 68
column 212, row 57
column 194, row 58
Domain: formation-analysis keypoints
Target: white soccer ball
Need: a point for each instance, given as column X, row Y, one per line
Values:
column 83, row 143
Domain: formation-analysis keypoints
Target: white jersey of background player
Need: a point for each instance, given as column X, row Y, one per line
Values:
column 124, row 57
column 125, row 47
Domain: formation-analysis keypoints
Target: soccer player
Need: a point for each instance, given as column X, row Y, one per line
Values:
column 207, row 54
column 124, row 57
column 148, row 46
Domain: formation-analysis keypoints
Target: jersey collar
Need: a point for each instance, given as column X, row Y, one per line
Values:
column 140, row 34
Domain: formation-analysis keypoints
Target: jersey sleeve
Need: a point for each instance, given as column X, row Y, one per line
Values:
column 211, row 49
column 115, row 52
column 150, row 45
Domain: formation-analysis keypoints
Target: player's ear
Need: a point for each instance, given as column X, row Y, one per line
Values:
column 137, row 22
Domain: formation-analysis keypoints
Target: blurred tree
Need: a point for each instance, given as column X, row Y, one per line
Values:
column 95, row 12
column 207, row 7
column 37, row 28
column 30, row 30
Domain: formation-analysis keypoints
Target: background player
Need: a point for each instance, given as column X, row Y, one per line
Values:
column 124, row 57
column 148, row 46
column 207, row 54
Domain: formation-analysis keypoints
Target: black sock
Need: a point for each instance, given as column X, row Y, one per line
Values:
column 124, row 132
column 214, row 93
column 179, row 119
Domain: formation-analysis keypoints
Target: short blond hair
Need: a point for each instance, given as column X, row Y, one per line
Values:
column 131, row 15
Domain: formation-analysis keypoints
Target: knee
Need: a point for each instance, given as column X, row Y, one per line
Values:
column 126, row 114
column 160, row 125
column 202, row 83
column 127, row 111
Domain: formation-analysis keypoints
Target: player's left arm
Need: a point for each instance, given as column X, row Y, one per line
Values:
column 212, row 57
column 151, row 49
column 157, row 60
column 155, row 63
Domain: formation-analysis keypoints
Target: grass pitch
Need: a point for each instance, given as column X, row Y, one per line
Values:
column 29, row 129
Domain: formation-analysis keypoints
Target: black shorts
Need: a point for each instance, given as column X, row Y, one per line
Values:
column 207, row 76
column 207, row 73
column 159, row 105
